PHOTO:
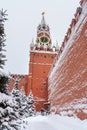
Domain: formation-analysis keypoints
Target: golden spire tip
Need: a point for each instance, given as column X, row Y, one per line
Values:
column 43, row 13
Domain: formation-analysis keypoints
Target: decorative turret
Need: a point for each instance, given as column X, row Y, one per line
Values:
column 57, row 46
column 32, row 44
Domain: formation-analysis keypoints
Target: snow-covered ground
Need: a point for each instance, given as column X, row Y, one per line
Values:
column 53, row 122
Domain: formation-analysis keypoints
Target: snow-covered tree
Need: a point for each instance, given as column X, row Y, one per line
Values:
column 17, row 95
column 4, row 79
column 9, row 118
column 2, row 38
column 28, row 104
column 31, row 106
column 20, row 98
column 25, row 104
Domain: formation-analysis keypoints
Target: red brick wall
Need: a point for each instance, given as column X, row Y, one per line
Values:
column 68, row 79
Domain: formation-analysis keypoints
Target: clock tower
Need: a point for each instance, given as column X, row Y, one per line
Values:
column 42, row 56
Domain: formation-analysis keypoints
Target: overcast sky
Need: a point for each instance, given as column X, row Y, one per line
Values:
column 23, row 19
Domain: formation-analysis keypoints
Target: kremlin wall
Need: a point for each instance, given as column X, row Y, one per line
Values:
column 67, row 80
column 59, row 75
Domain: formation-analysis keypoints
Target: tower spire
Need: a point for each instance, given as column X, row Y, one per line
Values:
column 43, row 19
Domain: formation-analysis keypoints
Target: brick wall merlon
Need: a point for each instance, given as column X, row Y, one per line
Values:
column 68, row 32
column 73, row 22
column 72, row 25
column 82, row 2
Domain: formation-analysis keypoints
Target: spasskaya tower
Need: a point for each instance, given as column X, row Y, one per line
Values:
column 42, row 55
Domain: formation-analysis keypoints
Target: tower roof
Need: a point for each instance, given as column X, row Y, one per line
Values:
column 43, row 41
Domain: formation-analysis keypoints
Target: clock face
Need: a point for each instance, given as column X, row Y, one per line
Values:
column 44, row 40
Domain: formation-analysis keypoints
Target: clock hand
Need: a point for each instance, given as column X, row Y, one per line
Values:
column 44, row 39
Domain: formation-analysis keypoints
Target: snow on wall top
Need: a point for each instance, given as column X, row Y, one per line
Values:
column 47, row 52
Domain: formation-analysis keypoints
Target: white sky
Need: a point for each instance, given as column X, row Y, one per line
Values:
column 23, row 19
